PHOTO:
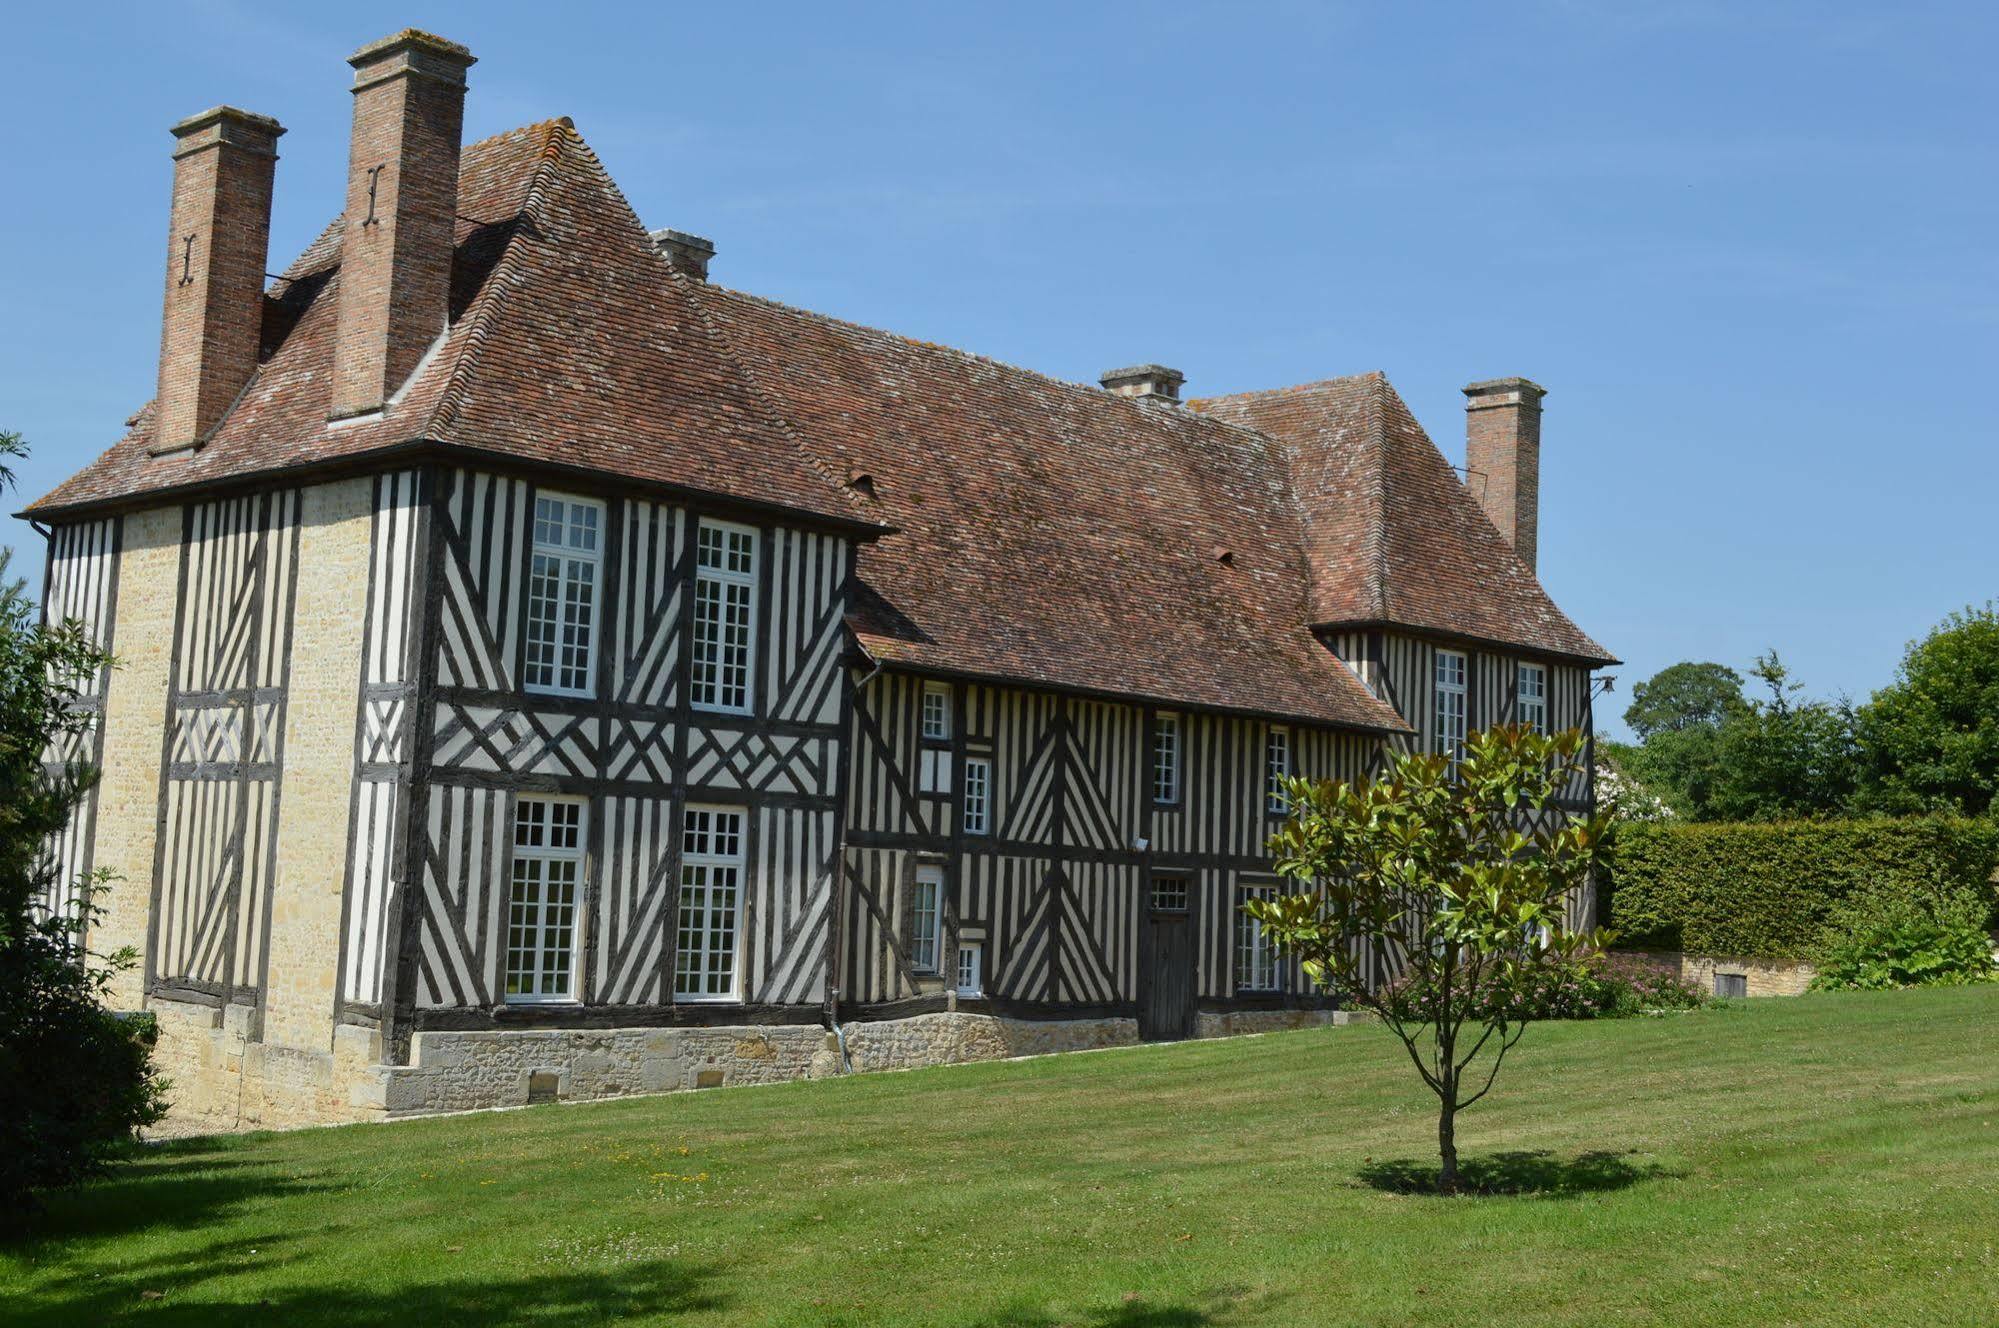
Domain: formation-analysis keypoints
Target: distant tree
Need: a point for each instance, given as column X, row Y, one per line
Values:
column 1679, row 715
column 1930, row 739
column 1786, row 757
column 1685, row 696
column 1440, row 871
column 75, row 1079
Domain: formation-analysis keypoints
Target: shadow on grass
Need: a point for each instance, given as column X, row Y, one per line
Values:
column 1537, row 1172
column 174, row 1295
column 1136, row 1311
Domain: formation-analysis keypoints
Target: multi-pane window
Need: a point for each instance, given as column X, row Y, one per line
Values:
column 1531, row 697
column 1450, row 718
column 1255, row 952
column 541, row 907
column 971, row 981
column 923, row 905
column 936, row 712
column 1166, row 759
column 978, row 795
column 711, row 885
column 562, row 594
column 1169, row 894
column 1276, row 769
column 725, row 588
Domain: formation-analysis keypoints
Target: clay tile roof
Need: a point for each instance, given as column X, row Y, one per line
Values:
column 641, row 388
column 1396, row 539
column 1052, row 533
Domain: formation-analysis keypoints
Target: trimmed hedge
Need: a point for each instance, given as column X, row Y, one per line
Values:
column 1784, row 890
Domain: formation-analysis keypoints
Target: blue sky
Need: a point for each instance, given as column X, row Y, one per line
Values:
column 1748, row 249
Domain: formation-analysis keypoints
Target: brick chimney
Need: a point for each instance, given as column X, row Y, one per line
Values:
column 219, row 237
column 684, row 253
column 1503, row 456
column 402, row 203
column 1147, row 382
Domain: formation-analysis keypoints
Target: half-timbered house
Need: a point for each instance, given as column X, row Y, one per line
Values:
column 545, row 672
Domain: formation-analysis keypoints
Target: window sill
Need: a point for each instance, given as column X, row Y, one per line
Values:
column 678, row 999
column 518, row 1001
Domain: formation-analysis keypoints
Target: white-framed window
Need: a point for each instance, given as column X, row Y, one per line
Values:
column 978, row 795
column 711, row 888
column 725, row 597
column 971, row 965
column 936, row 712
column 1531, row 697
column 543, row 899
column 562, row 594
column 925, row 901
column 1169, row 894
column 1450, row 717
column 1255, row 952
column 1166, row 759
column 1276, row 769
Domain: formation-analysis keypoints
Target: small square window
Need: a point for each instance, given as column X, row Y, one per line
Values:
column 1169, row 894
column 936, row 712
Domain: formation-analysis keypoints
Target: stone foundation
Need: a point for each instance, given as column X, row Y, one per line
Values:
column 221, row 1080
column 1233, row 1023
column 1763, row 977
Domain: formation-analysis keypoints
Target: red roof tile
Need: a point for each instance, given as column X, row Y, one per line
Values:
column 1395, row 538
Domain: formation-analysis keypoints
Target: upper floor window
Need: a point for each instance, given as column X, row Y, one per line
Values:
column 725, row 590
column 1276, row 769
column 711, row 886
column 936, row 711
column 978, row 795
column 923, row 913
column 541, row 904
column 1531, row 697
column 1166, row 759
column 1450, row 717
column 562, row 594
column 1255, row 951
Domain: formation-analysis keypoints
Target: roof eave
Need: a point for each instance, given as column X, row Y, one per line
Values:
column 1461, row 638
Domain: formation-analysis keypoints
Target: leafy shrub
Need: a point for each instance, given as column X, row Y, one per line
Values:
column 1909, row 951
column 1592, row 986
column 1783, row 890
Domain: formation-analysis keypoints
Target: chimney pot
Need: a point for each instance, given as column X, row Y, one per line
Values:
column 686, row 254
column 402, row 211
column 1503, row 456
column 219, row 233
column 1147, row 382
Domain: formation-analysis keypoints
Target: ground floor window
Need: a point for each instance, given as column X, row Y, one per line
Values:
column 971, row 980
column 541, row 907
column 923, row 910
column 711, row 884
column 1255, row 952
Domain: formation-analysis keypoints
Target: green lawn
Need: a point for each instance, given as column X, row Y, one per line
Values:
column 1824, row 1160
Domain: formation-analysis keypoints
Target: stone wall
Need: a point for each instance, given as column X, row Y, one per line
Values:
column 1234, row 1023
column 223, row 1081
column 1765, row 977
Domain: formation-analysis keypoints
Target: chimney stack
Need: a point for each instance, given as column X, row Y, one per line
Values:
column 1503, row 454
column 402, row 206
column 1147, row 382
column 684, row 253
column 219, row 237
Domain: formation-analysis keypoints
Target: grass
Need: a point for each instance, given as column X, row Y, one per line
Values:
column 1824, row 1160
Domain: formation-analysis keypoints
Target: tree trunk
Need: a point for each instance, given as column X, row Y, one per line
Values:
column 1447, row 1144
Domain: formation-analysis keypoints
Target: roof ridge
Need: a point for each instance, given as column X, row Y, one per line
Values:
column 1339, row 380
column 493, row 291
column 1084, row 391
column 1378, row 525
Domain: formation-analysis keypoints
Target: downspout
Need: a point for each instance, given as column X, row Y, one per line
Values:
column 839, row 892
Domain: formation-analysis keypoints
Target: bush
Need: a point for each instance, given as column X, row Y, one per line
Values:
column 1907, row 952
column 1787, row 890
column 1594, row 986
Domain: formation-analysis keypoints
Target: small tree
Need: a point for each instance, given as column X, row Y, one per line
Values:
column 75, row 1079
column 1436, row 896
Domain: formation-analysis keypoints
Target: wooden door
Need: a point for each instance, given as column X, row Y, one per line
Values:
column 1167, row 1010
